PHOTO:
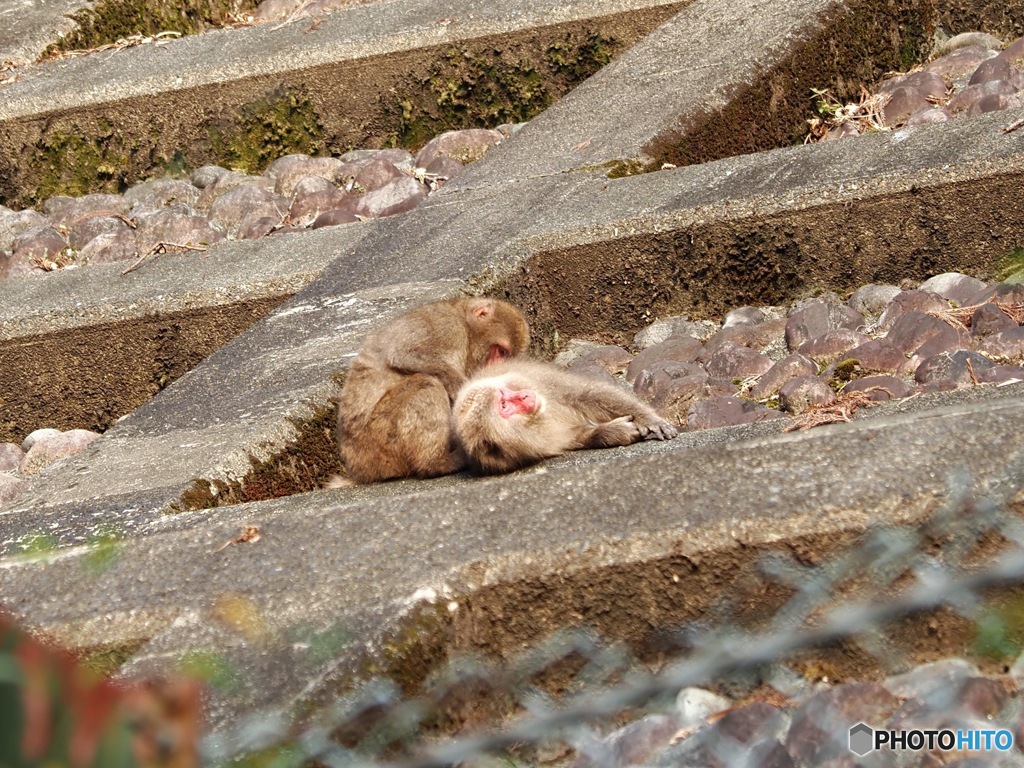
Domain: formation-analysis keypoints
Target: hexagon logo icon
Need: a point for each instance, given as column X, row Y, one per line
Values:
column 862, row 739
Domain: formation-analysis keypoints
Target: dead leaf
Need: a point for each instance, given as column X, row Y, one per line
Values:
column 251, row 534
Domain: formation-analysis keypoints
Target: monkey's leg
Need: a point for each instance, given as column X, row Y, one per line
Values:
column 423, row 429
column 613, row 403
column 620, row 431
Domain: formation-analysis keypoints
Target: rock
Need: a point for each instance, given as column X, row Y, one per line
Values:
column 879, row 388
column 38, row 434
column 397, row 196
column 913, row 329
column 743, row 316
column 676, row 397
column 682, row 349
column 930, row 114
column 87, row 229
column 953, row 286
column 50, row 448
column 206, row 176
column 927, row 681
column 803, row 392
column 960, row 367
column 153, row 195
column 177, row 224
column 768, row 338
column 10, row 486
column 1014, row 53
column 1011, row 293
column 289, row 170
column 831, row 346
column 878, row 356
column 43, row 242
column 13, row 224
column 787, row 368
column 816, row 318
column 959, row 63
column 575, row 349
column 872, row 299
column 335, row 217
column 11, row 455
column 964, row 39
column 609, row 358
column 226, row 183
column 466, row 146
column 995, row 103
column 726, row 411
column 696, row 705
column 999, row 374
column 910, row 301
column 982, row 697
column 313, row 196
column 997, row 69
column 86, row 207
column 965, row 98
column 633, row 744
column 903, row 102
column 254, row 226
column 733, row 361
column 821, row 724
column 661, row 329
column 273, row 10
column 236, row 210
column 989, row 319
column 654, row 380
column 928, row 84
column 1005, row 347
column 445, row 168
column 368, row 175
column 106, row 249
column 402, row 159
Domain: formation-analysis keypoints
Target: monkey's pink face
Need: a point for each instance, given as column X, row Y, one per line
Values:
column 498, row 353
column 511, row 402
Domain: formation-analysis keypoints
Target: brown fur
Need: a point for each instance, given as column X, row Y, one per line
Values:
column 394, row 415
column 575, row 412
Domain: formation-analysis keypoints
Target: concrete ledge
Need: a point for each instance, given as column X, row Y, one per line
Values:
column 559, row 538
column 360, row 78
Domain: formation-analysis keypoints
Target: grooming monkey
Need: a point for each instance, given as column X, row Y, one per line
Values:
column 518, row 412
column 394, row 412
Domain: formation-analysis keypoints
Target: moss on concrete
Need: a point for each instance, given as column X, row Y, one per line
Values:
column 111, row 20
column 485, row 86
column 281, row 123
column 78, row 163
column 305, row 463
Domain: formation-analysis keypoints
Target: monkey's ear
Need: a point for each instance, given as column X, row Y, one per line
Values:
column 482, row 309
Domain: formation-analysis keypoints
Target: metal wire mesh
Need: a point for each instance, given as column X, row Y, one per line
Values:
column 972, row 543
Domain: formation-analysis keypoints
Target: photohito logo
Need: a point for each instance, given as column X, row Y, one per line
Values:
column 864, row 739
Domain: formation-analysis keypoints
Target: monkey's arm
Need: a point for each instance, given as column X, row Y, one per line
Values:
column 606, row 405
column 620, row 431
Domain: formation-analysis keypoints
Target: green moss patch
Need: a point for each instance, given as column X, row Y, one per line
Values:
column 283, row 122
column 111, row 20
column 485, row 86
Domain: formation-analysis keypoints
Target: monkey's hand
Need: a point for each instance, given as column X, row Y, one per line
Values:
column 657, row 430
column 620, row 431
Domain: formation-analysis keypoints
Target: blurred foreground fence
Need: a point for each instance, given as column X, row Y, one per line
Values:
column 581, row 700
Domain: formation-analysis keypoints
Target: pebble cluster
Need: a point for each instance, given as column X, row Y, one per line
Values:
column 811, row 727
column 973, row 73
column 823, row 356
column 295, row 192
column 37, row 451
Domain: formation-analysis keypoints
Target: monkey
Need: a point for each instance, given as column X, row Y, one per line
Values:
column 518, row 412
column 394, row 410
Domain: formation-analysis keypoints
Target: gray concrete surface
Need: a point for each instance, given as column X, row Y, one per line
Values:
column 358, row 560
column 269, row 50
column 27, row 27
column 325, row 561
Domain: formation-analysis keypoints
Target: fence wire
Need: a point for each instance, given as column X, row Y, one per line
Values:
column 617, row 711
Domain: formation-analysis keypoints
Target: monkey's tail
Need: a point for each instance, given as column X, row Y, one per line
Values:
column 338, row 481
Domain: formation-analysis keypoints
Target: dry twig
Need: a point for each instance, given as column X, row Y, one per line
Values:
column 840, row 410
column 160, row 38
column 251, row 533
column 960, row 317
column 1014, row 126
column 163, row 248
